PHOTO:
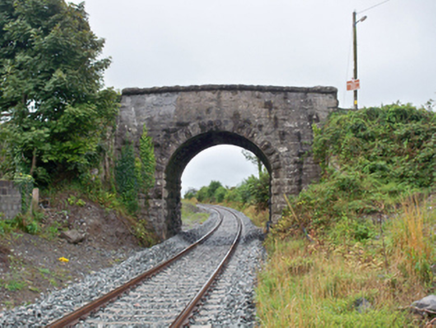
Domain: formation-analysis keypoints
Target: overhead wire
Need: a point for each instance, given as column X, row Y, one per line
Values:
column 379, row 4
column 350, row 46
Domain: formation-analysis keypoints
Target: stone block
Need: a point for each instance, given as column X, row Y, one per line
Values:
column 35, row 197
column 72, row 236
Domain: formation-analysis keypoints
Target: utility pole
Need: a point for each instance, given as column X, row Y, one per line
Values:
column 355, row 21
column 355, row 56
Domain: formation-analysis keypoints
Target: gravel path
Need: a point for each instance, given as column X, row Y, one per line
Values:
column 234, row 292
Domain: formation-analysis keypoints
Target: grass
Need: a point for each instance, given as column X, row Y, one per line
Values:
column 259, row 218
column 294, row 292
column 412, row 241
column 189, row 212
column 355, row 235
column 14, row 285
column 44, row 271
column 320, row 283
column 191, row 215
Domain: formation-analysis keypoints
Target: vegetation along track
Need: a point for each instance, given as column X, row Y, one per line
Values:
column 166, row 294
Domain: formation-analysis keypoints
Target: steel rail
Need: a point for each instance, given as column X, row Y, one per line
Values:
column 73, row 318
column 185, row 314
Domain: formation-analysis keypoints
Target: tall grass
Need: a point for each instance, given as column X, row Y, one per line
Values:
column 321, row 283
column 258, row 217
column 411, row 243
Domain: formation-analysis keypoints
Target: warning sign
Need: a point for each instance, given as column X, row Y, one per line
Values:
column 353, row 85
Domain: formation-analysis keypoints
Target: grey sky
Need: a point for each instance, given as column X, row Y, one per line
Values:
column 271, row 42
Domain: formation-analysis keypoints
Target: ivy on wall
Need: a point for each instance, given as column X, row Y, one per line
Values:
column 25, row 183
column 125, row 177
column 135, row 175
column 148, row 161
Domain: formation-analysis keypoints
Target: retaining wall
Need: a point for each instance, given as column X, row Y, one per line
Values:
column 10, row 200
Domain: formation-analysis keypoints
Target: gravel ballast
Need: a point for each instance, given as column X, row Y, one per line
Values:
column 237, row 309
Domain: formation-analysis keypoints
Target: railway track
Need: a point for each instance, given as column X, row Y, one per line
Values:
column 166, row 295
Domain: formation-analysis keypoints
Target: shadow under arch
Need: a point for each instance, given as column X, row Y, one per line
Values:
column 184, row 154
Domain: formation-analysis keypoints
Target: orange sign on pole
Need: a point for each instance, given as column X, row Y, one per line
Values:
column 353, row 85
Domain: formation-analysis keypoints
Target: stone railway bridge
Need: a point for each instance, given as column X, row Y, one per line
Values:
column 275, row 123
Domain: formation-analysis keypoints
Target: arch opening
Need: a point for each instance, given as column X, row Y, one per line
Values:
column 184, row 154
column 228, row 164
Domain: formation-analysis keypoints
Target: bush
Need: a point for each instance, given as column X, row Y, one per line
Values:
column 126, row 178
column 371, row 159
column 220, row 194
column 212, row 188
column 191, row 193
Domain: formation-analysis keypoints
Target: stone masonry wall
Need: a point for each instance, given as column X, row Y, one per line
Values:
column 275, row 123
column 10, row 200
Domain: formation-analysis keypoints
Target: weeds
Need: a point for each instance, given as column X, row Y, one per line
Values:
column 14, row 285
column 257, row 216
column 364, row 245
column 191, row 215
column 28, row 222
column 52, row 231
column 44, row 271
column 72, row 200
column 5, row 226
column 307, row 285
column 410, row 241
column 144, row 234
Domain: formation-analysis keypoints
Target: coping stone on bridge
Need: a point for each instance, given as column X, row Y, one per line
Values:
column 273, row 122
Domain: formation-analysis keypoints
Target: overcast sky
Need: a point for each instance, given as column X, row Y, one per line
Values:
column 269, row 42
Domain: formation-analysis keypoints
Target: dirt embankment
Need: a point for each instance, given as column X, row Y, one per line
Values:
column 34, row 264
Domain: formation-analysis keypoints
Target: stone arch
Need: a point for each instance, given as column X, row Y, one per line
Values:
column 275, row 123
column 185, row 153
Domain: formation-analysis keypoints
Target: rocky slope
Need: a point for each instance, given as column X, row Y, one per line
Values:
column 34, row 264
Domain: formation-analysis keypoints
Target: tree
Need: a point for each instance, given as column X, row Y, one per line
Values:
column 50, row 82
column 259, row 190
column 190, row 193
column 220, row 194
column 213, row 186
column 202, row 194
column 249, row 156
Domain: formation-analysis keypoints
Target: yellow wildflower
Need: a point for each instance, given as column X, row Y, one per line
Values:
column 63, row 259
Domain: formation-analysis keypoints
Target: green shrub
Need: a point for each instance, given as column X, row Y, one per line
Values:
column 24, row 182
column 134, row 175
column 126, row 177
column 148, row 161
column 191, row 193
column 371, row 159
column 220, row 194
column 394, row 143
